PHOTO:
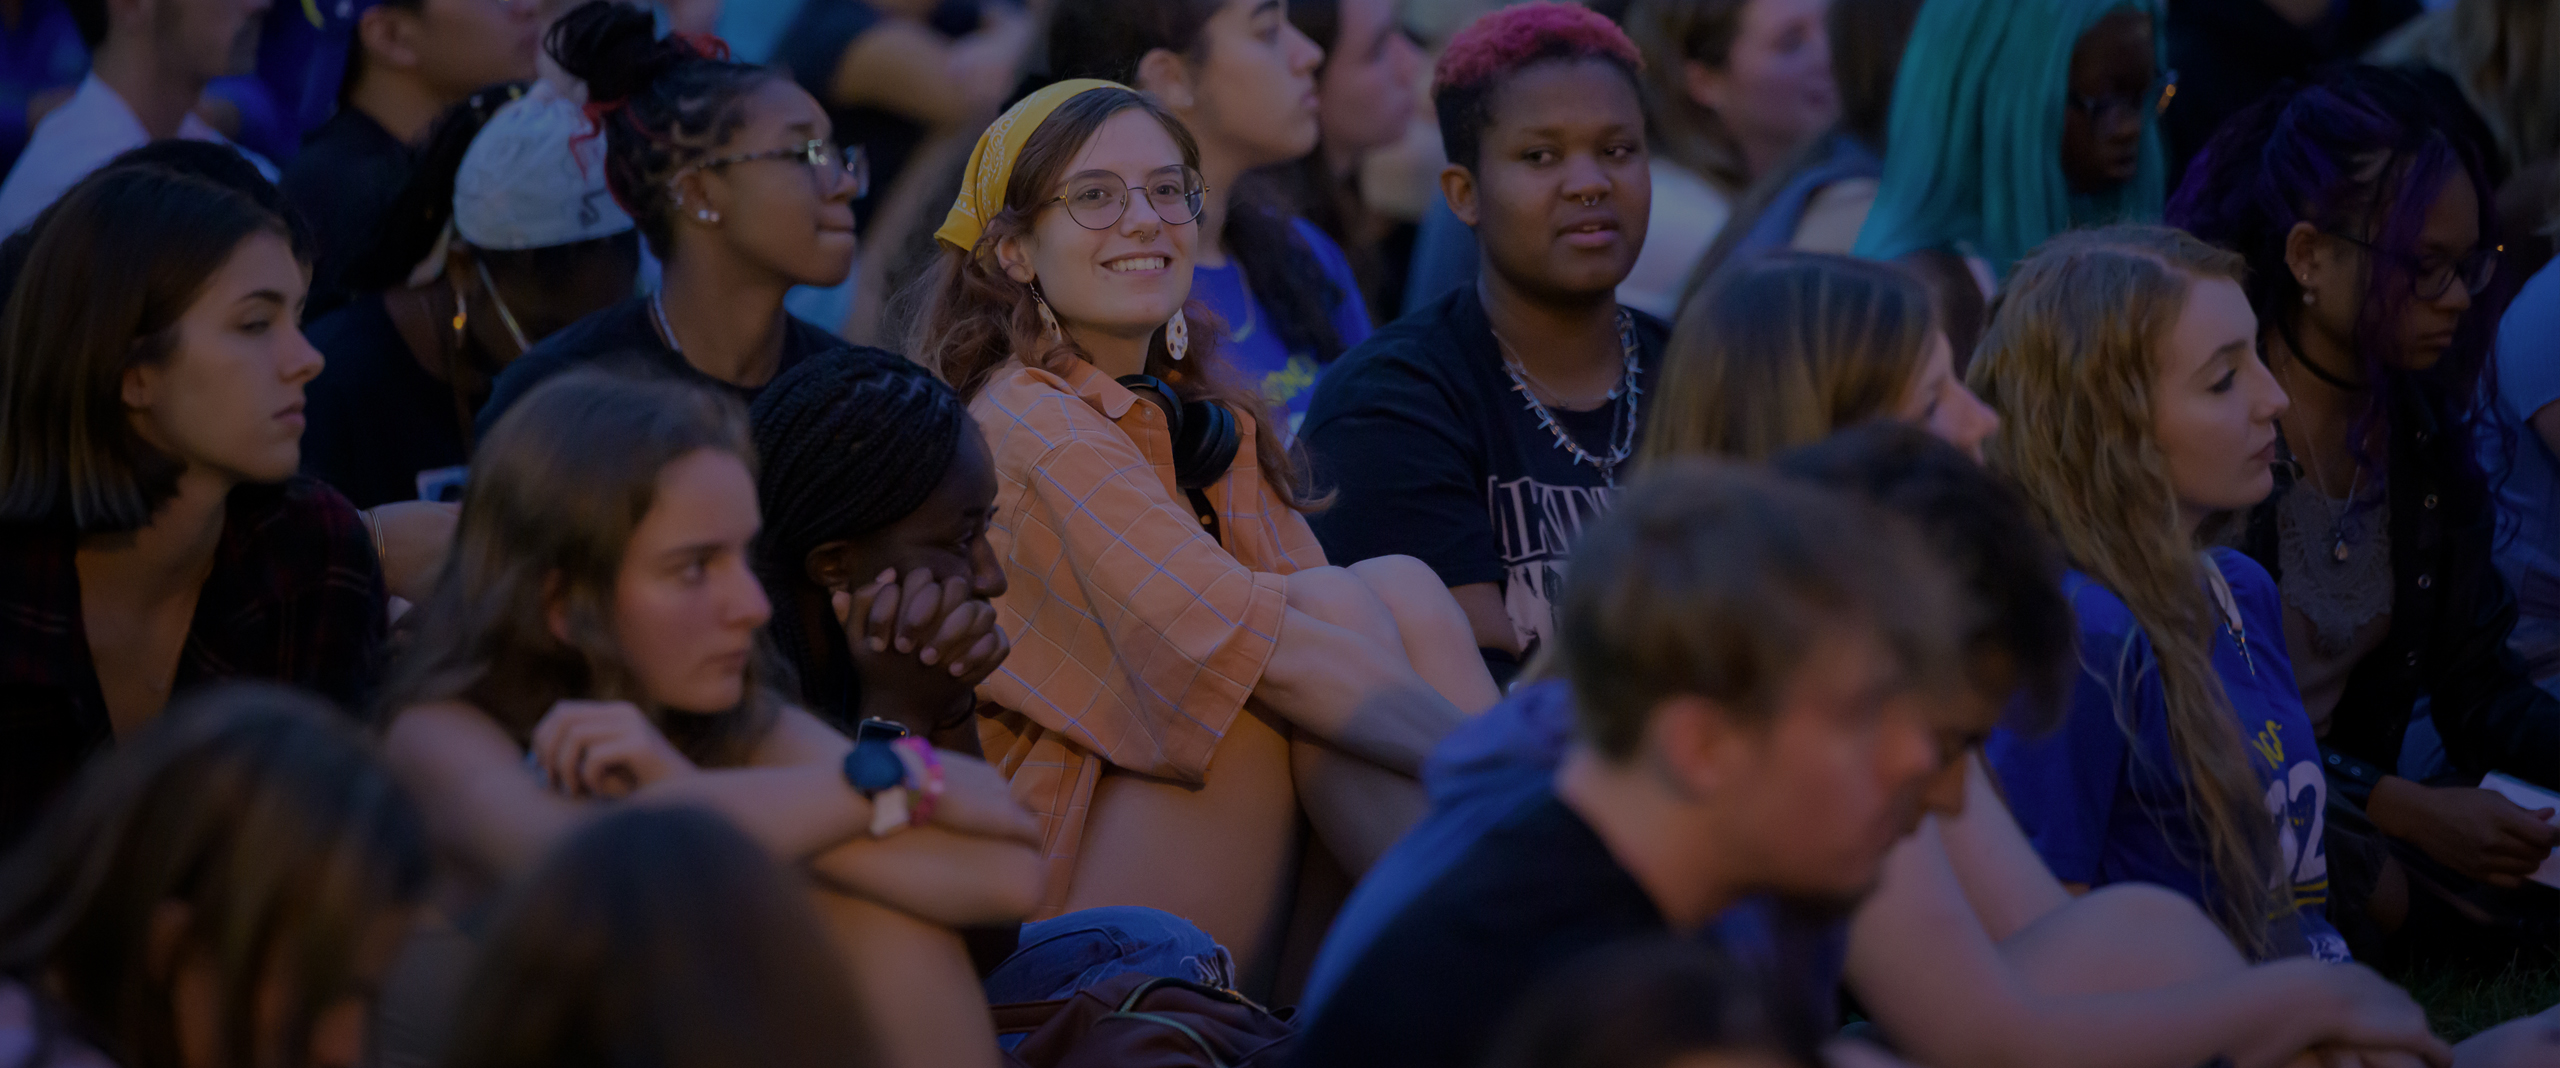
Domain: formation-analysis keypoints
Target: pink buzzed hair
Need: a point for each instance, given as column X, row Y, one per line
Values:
column 1506, row 40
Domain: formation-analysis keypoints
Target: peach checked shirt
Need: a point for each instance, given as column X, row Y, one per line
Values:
column 1136, row 637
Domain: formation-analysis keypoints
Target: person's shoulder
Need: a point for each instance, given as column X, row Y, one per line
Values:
column 1029, row 412
column 1423, row 350
column 2100, row 612
column 1653, row 332
column 2250, row 583
column 601, row 333
column 1327, row 251
column 301, row 519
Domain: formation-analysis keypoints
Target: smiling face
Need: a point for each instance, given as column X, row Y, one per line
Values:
column 227, row 399
column 1366, row 93
column 686, row 603
column 780, row 214
column 1938, row 402
column 2115, row 63
column 2214, row 405
column 1560, row 197
column 1112, row 287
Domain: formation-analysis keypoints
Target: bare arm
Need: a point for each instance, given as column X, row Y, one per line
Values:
column 482, row 806
column 1354, row 692
column 905, row 67
column 1967, row 1005
column 2008, row 885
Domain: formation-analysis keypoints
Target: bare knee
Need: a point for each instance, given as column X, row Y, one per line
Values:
column 1340, row 596
column 1410, row 590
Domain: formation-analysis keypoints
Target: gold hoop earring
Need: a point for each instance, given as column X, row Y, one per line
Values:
column 1177, row 337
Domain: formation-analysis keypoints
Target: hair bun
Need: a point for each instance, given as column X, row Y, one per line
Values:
column 614, row 47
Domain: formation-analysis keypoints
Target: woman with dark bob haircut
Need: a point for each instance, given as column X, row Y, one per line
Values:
column 153, row 532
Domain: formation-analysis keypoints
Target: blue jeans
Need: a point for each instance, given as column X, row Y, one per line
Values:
column 1061, row 956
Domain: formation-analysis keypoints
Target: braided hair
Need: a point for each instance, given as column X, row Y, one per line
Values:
column 851, row 442
column 661, row 103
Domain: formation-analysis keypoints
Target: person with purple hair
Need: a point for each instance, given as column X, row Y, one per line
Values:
column 2369, row 231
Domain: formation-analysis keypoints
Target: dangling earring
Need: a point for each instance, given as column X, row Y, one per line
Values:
column 1048, row 319
column 1177, row 337
column 2309, row 297
column 461, row 312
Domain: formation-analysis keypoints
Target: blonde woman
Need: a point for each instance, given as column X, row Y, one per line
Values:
column 1780, row 352
column 2123, row 363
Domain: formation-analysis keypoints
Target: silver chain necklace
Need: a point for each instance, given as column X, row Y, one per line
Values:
column 1622, row 424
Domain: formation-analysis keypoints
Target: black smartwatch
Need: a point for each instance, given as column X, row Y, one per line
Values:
column 872, row 766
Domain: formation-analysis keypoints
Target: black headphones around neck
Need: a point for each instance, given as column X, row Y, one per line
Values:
column 1205, row 435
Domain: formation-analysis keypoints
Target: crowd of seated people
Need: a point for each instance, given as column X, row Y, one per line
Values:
column 1886, row 541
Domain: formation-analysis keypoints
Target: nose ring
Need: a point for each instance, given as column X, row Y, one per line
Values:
column 1589, row 202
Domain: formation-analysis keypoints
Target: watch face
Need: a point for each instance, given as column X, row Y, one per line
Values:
column 872, row 767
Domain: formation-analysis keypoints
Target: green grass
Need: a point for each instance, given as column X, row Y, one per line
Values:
column 2463, row 1000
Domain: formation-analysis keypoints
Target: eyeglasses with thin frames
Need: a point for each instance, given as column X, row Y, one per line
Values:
column 822, row 158
column 2103, row 110
column 1097, row 200
column 2430, row 282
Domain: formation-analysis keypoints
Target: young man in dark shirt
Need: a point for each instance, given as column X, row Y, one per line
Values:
column 1756, row 665
column 1481, row 432
column 410, row 60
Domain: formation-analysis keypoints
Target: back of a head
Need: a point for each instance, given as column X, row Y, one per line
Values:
column 112, row 268
column 212, row 161
column 1653, row 1003
column 556, row 491
column 849, row 442
column 1867, row 41
column 1674, row 34
column 663, row 103
column 1782, row 350
column 2020, row 632
column 1976, row 132
column 1716, row 579
column 660, row 938
column 1106, row 38
column 263, row 811
column 2068, row 364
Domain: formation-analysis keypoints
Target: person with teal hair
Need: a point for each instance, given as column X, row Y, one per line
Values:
column 2013, row 121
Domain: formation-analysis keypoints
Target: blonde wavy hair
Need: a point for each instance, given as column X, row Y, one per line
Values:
column 2068, row 363
column 1781, row 351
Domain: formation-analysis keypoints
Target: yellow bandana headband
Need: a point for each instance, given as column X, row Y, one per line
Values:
column 991, row 163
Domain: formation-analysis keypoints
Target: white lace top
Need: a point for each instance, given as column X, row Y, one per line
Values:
column 2337, row 587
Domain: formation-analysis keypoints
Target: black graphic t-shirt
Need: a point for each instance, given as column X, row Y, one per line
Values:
column 1433, row 454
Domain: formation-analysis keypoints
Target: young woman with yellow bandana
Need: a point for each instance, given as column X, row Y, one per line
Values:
column 1186, row 675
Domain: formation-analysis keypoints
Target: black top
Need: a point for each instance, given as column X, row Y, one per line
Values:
column 295, row 596
column 2451, row 613
column 626, row 336
column 1434, row 454
column 349, row 172
column 2228, row 53
column 380, row 426
column 1535, row 892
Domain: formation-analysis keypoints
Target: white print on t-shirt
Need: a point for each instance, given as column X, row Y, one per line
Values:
column 2298, row 799
column 1537, row 523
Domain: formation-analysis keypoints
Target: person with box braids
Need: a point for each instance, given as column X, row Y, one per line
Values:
column 733, row 175
column 1168, row 605
column 878, row 492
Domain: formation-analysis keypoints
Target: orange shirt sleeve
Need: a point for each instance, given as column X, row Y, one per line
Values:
column 1135, row 635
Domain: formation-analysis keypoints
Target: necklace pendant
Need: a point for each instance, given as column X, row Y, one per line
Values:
column 2338, row 550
